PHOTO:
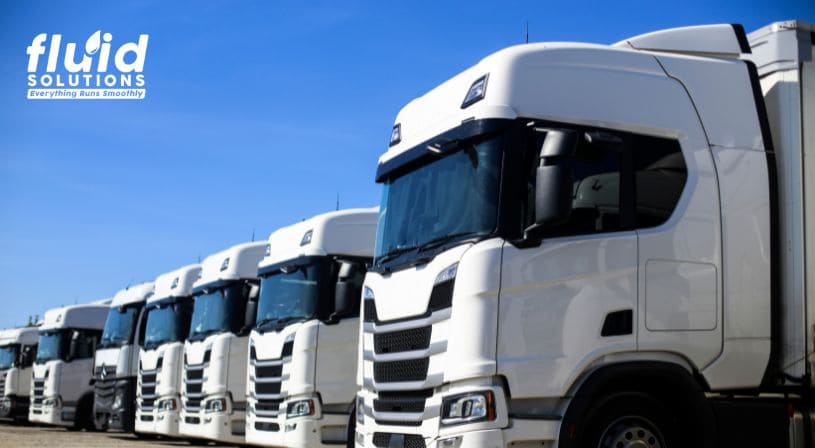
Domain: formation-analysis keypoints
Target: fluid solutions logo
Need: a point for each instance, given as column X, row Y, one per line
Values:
column 100, row 71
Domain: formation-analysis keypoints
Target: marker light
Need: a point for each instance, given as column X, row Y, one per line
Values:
column 367, row 293
column 225, row 264
column 396, row 134
column 307, row 237
column 477, row 92
column 268, row 250
column 175, row 283
column 447, row 274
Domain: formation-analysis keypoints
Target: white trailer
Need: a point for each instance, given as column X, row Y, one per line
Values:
column 117, row 358
column 213, row 398
column 18, row 347
column 61, row 391
column 599, row 246
column 161, row 355
column 302, row 351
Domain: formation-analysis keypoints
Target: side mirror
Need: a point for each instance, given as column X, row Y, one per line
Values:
column 554, row 177
column 73, row 348
column 346, row 292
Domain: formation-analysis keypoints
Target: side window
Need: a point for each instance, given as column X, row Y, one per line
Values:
column 85, row 342
column 596, row 204
column 661, row 173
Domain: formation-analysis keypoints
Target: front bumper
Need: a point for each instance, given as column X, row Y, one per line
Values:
column 53, row 415
column 328, row 431
column 157, row 421
column 228, row 427
column 521, row 433
column 105, row 415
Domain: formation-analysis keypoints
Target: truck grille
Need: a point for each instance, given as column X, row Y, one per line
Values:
column 3, row 384
column 403, row 341
column 148, row 390
column 383, row 440
column 402, row 359
column 400, row 371
column 105, row 386
column 266, row 385
column 193, row 387
column 37, row 392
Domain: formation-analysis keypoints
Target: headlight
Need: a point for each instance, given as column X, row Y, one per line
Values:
column 360, row 410
column 118, row 399
column 468, row 408
column 168, row 405
column 216, row 405
column 52, row 402
column 301, row 408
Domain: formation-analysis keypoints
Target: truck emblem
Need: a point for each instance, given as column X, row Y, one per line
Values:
column 103, row 373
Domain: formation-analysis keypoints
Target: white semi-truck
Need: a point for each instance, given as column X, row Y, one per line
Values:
column 301, row 384
column 18, row 347
column 61, row 391
column 161, row 356
column 213, row 396
column 600, row 246
column 117, row 359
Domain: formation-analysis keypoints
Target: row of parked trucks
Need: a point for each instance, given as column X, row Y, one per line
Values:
column 578, row 246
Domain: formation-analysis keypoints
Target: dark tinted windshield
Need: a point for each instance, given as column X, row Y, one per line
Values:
column 450, row 198
column 52, row 345
column 217, row 310
column 119, row 326
column 167, row 322
column 8, row 354
column 292, row 293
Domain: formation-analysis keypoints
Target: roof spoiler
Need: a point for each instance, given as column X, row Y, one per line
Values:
column 723, row 41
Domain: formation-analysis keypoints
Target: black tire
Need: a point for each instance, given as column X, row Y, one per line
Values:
column 84, row 414
column 619, row 420
column 351, row 433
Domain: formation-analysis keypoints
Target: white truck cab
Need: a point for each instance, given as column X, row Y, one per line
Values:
column 213, row 397
column 161, row 355
column 302, row 351
column 18, row 347
column 599, row 246
column 117, row 357
column 61, row 391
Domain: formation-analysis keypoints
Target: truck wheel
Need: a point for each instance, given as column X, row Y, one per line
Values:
column 630, row 420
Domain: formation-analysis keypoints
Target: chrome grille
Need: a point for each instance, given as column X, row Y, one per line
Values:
column 148, row 390
column 193, row 386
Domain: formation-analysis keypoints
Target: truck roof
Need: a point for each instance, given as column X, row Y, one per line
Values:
column 21, row 335
column 237, row 262
column 177, row 283
column 348, row 232
column 88, row 316
column 132, row 294
column 592, row 84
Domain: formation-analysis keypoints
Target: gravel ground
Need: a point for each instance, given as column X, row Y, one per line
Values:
column 19, row 436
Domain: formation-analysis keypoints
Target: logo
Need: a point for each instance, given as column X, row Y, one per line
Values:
column 99, row 69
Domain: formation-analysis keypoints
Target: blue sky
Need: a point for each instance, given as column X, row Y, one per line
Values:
column 258, row 114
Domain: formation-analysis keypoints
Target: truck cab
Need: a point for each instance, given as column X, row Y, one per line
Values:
column 116, row 361
column 590, row 246
column 302, row 350
column 61, row 391
column 213, row 400
column 161, row 355
column 18, row 347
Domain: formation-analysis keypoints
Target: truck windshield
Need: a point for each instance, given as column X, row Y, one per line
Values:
column 52, row 345
column 119, row 326
column 291, row 294
column 214, row 310
column 8, row 354
column 440, row 203
column 167, row 322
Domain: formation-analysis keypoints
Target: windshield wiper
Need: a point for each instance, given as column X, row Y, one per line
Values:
column 266, row 320
column 199, row 335
column 395, row 253
column 439, row 241
column 282, row 323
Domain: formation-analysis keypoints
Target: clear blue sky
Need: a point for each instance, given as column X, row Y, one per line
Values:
column 257, row 115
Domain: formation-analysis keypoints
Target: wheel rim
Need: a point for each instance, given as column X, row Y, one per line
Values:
column 631, row 432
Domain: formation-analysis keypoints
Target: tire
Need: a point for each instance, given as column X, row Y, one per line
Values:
column 629, row 419
column 84, row 414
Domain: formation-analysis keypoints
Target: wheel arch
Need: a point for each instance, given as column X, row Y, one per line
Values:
column 672, row 383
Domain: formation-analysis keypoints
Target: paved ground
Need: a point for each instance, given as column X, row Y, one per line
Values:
column 14, row 436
